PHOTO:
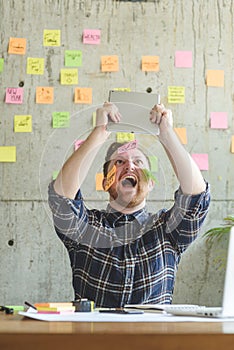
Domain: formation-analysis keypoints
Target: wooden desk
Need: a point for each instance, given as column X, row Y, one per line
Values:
column 18, row 333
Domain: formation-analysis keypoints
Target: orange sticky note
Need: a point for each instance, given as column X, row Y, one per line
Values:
column 215, row 78
column 150, row 63
column 45, row 94
column 99, row 179
column 110, row 179
column 232, row 147
column 83, row 95
column 17, row 46
column 109, row 63
column 181, row 133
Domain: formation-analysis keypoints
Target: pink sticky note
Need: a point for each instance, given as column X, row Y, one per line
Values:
column 91, row 36
column 14, row 95
column 201, row 159
column 127, row 146
column 183, row 59
column 218, row 120
column 77, row 144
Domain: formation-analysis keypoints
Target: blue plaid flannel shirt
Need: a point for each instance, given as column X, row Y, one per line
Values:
column 119, row 259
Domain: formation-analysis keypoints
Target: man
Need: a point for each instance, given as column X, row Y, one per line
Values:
column 125, row 255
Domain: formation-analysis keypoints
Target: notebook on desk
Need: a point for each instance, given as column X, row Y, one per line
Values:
column 227, row 308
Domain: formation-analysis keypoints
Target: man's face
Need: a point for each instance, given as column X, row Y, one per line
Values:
column 131, row 184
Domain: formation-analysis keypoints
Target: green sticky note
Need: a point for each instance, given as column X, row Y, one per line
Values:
column 61, row 119
column 149, row 175
column 16, row 307
column 55, row 174
column 73, row 58
column 153, row 163
column 1, row 64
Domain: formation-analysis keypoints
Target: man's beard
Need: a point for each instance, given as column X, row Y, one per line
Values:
column 128, row 201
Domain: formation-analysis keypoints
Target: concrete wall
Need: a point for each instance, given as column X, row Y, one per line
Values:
column 34, row 264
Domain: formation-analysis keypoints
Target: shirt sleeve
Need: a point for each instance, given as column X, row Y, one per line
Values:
column 185, row 218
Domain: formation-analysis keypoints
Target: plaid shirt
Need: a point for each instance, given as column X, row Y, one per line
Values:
column 119, row 259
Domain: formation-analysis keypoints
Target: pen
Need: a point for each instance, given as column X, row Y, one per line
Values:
column 30, row 305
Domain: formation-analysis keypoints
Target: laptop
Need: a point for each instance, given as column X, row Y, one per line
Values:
column 135, row 109
column 227, row 308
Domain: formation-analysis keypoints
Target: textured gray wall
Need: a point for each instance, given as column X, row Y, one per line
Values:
column 36, row 266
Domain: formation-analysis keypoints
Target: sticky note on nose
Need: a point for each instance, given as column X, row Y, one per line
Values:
column 110, row 178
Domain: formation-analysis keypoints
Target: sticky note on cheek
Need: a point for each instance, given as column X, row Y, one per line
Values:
column 110, row 179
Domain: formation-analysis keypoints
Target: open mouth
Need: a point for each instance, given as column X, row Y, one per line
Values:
column 129, row 181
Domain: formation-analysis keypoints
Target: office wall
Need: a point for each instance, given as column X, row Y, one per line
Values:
column 34, row 264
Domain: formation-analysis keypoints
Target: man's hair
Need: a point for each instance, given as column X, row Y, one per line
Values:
column 112, row 148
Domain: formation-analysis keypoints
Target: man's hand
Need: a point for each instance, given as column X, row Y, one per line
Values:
column 162, row 117
column 109, row 111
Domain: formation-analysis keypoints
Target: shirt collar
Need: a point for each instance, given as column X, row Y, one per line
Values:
column 140, row 215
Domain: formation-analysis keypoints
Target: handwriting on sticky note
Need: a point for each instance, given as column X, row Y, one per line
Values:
column 128, row 146
column 7, row 154
column 150, row 63
column 218, row 120
column 110, row 178
column 51, row 37
column 201, row 159
column 35, row 65
column 183, row 59
column 83, row 95
column 110, row 63
column 91, row 36
column 182, row 134
column 176, row 94
column 61, row 119
column 69, row 76
column 17, row 46
column 125, row 136
column 14, row 95
column 45, row 94
column 1, row 64
column 215, row 77
column 99, row 180
column 23, row 123
column 73, row 58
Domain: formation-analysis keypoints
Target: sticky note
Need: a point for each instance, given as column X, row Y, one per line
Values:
column 45, row 94
column 122, row 89
column 17, row 46
column 94, row 119
column 77, row 144
column 83, row 95
column 182, row 134
column 232, row 145
column 51, row 37
column 215, row 78
column 1, row 64
column 69, row 76
column 201, row 159
column 125, row 136
column 110, row 63
column 153, row 163
column 110, row 178
column 73, row 58
column 23, row 123
column 183, row 59
column 35, row 65
column 55, row 174
column 128, row 146
column 99, row 178
column 150, row 63
column 218, row 120
column 91, row 36
column 176, row 94
column 61, row 119
column 14, row 95
column 7, row 154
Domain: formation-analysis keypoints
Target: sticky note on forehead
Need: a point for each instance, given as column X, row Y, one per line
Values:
column 126, row 147
column 110, row 178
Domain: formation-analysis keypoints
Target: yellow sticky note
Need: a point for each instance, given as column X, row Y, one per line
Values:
column 181, row 133
column 125, row 136
column 176, row 94
column 94, row 119
column 45, row 94
column 122, row 89
column 83, row 95
column 215, row 78
column 35, row 65
column 150, row 63
column 110, row 178
column 99, row 179
column 17, row 46
column 7, row 154
column 110, row 63
column 51, row 37
column 69, row 76
column 23, row 123
column 232, row 147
